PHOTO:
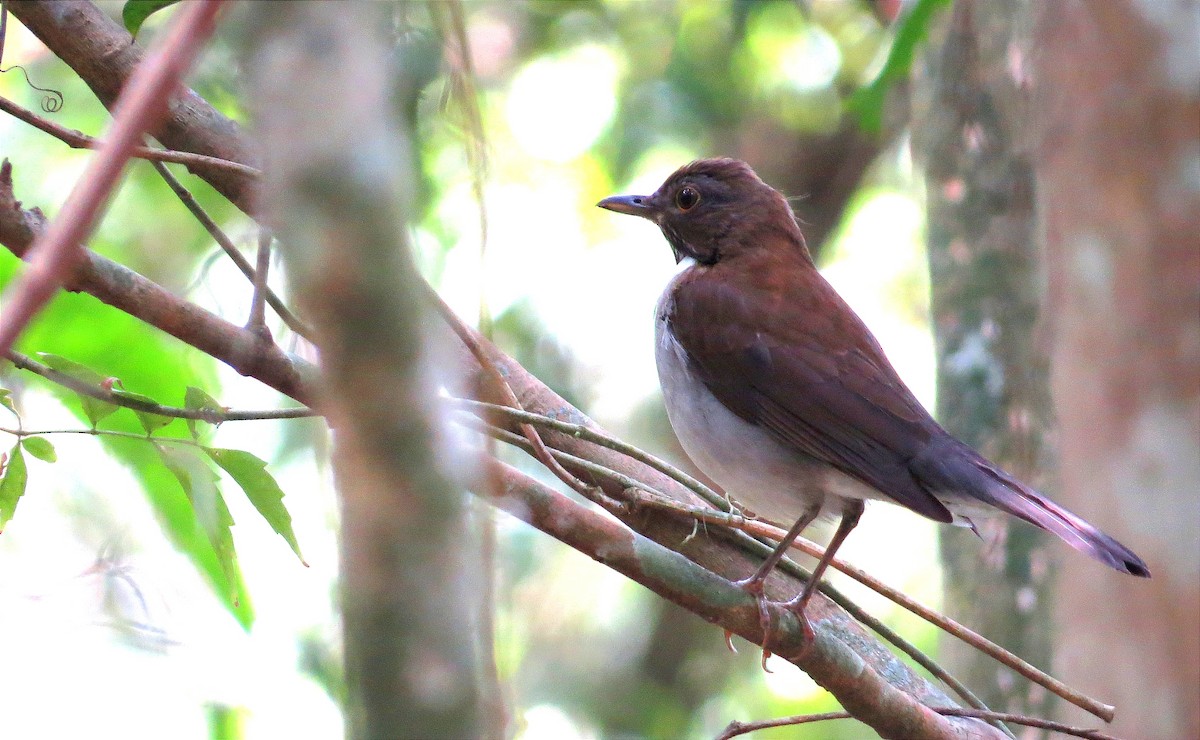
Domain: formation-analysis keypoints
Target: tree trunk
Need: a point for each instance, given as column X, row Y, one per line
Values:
column 337, row 192
column 1119, row 189
column 993, row 384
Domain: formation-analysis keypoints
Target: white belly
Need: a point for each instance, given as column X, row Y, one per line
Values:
column 755, row 470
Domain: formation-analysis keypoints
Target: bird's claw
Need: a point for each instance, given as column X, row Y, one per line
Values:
column 754, row 587
column 810, row 635
column 766, row 654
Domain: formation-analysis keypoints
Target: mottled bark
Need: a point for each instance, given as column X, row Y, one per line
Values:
column 338, row 198
column 972, row 130
column 1119, row 188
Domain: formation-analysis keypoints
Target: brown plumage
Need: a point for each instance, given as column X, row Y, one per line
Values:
column 782, row 395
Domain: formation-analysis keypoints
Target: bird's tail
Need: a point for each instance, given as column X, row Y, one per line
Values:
column 1010, row 495
column 993, row 486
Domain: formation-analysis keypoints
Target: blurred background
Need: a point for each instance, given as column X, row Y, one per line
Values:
column 557, row 105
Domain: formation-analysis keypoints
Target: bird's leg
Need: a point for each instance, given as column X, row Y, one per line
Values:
column 754, row 584
column 850, row 515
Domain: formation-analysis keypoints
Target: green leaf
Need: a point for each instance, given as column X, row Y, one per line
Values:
column 40, row 448
column 95, row 409
column 868, row 101
column 181, row 522
column 99, row 336
column 149, row 421
column 225, row 722
column 251, row 474
column 12, row 485
column 6, row 401
column 136, row 12
column 70, row 367
column 197, row 400
column 199, row 483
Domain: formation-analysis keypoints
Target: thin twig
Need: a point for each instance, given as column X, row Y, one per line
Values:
column 140, row 107
column 79, row 140
column 21, row 432
column 948, row 625
column 735, row 728
column 258, row 319
column 764, row 529
column 212, row 416
column 189, row 201
column 539, row 451
column 588, row 434
column 594, row 494
column 895, row 639
column 639, row 493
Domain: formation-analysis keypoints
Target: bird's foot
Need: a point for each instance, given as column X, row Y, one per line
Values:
column 754, row 586
column 797, row 607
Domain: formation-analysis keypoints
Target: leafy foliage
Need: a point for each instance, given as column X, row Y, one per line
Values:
column 199, row 484
column 6, row 401
column 198, row 521
column 94, row 409
column 197, row 399
column 867, row 103
column 251, row 474
column 12, row 485
column 40, row 448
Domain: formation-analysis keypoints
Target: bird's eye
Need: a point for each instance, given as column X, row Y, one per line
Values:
column 687, row 197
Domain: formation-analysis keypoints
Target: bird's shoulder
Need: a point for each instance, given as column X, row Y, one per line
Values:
column 784, row 319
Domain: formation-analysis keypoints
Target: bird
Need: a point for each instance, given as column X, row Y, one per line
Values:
column 780, row 393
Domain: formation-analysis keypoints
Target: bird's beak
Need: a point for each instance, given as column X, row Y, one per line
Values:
column 634, row 205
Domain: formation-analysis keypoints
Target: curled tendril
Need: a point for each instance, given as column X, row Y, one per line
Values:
column 52, row 100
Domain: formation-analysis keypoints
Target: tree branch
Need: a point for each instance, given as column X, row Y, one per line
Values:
column 212, row 416
column 105, row 56
column 736, row 729
column 640, row 494
column 79, row 140
column 138, row 107
column 862, row 690
column 339, row 205
column 126, row 290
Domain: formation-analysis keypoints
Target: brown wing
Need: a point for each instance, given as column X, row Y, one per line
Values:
column 836, row 399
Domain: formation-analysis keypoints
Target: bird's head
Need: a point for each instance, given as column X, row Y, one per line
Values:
column 714, row 209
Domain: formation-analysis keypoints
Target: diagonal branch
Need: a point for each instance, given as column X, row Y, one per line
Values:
column 843, row 652
column 640, row 494
column 862, row 690
column 189, row 201
column 79, row 140
column 104, row 55
column 100, row 393
column 138, row 108
column 138, row 296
